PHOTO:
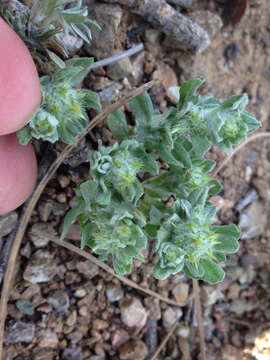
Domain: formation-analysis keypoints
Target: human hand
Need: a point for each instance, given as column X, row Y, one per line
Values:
column 20, row 97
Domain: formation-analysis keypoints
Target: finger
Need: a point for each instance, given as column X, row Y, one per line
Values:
column 20, row 93
column 18, row 172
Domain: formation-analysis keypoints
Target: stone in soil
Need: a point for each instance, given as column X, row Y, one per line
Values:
column 105, row 41
column 19, row 331
column 72, row 43
column 44, row 354
column 59, row 209
column 119, row 337
column 100, row 324
column 40, row 268
column 211, row 295
column 173, row 94
column 134, row 349
column 183, row 3
column 26, row 250
column 45, row 209
column 8, row 223
column 87, row 268
column 248, row 259
column 72, row 318
column 75, row 336
column 253, row 220
column 208, row 20
column 249, row 198
column 153, row 308
column 133, row 314
column 80, row 293
column 114, row 292
column 48, row 339
column 240, row 306
column 171, row 316
column 166, row 76
column 63, row 180
column 71, row 354
column 25, row 307
column 110, row 93
column 233, row 291
column 120, row 69
column 40, row 234
column 230, row 352
column 59, row 300
column 183, row 331
column 180, row 292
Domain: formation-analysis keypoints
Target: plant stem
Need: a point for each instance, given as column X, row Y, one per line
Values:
column 198, row 308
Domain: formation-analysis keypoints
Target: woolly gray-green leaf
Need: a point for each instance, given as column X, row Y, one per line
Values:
column 213, row 273
column 142, row 108
column 69, row 218
column 118, row 125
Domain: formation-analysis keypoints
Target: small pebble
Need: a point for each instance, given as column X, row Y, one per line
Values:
column 63, row 180
column 84, row 310
column 71, row 354
column 72, row 318
column 40, row 234
column 45, row 209
column 180, row 292
column 133, row 314
column 183, row 331
column 61, row 198
column 25, row 307
column 40, row 268
column 99, row 324
column 59, row 301
column 8, row 223
column 119, row 337
column 80, row 293
column 171, row 316
column 87, row 268
column 19, row 331
column 134, row 349
column 114, row 292
column 48, row 339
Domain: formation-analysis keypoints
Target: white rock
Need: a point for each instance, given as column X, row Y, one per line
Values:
column 133, row 314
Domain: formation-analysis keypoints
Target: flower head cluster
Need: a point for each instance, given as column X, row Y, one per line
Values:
column 187, row 241
column 116, row 168
column 109, row 226
column 62, row 114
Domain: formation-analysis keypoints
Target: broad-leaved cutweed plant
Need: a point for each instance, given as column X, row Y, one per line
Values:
column 154, row 183
column 62, row 114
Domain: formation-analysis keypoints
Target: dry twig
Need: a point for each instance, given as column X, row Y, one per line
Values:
column 35, row 197
column 107, row 268
column 164, row 341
